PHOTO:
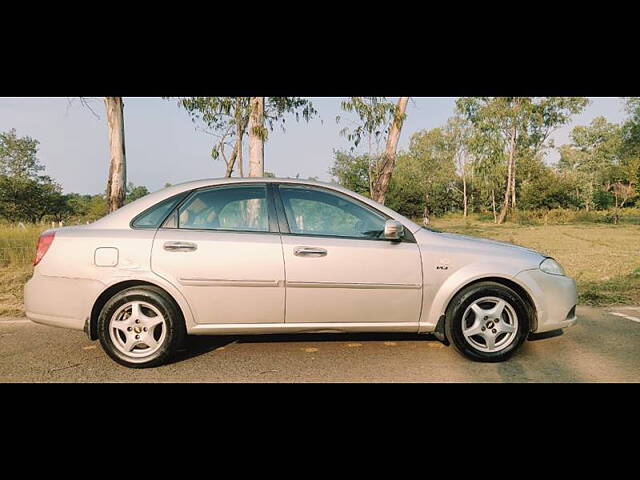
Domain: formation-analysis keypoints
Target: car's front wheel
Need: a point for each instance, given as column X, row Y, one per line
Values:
column 140, row 327
column 487, row 321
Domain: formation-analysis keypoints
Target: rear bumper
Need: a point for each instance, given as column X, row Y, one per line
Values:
column 60, row 302
column 555, row 297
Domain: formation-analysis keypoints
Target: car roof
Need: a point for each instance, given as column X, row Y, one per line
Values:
column 122, row 217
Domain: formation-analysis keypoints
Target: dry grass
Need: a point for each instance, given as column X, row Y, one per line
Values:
column 603, row 259
column 12, row 280
column 17, row 248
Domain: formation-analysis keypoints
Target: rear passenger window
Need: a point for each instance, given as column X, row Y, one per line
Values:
column 238, row 208
column 153, row 217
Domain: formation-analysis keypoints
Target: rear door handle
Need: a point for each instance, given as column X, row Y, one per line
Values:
column 309, row 252
column 180, row 246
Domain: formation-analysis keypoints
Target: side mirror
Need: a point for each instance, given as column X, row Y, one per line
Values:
column 393, row 230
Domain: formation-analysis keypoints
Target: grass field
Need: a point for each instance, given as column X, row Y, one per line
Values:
column 603, row 258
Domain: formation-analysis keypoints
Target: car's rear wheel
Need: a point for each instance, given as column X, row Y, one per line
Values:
column 140, row 327
column 487, row 321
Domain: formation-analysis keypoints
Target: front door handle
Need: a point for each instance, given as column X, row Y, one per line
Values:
column 309, row 252
column 180, row 246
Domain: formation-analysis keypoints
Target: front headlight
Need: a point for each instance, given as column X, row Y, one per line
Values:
column 549, row 265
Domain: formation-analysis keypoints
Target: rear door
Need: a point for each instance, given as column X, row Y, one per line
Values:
column 222, row 250
column 338, row 268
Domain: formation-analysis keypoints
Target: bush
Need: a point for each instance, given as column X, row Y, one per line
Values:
column 563, row 216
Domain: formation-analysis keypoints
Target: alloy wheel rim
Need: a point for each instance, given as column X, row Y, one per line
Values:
column 137, row 330
column 490, row 324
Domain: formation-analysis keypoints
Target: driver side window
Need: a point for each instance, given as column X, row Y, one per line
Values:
column 313, row 211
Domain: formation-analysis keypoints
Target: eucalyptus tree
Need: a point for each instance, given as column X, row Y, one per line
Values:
column 631, row 142
column 631, row 127
column 457, row 138
column 265, row 113
column 376, row 117
column 117, row 180
column 226, row 118
column 388, row 162
column 517, row 126
column 597, row 156
column 257, row 136
column 229, row 119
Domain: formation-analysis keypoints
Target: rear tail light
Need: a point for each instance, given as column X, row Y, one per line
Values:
column 44, row 242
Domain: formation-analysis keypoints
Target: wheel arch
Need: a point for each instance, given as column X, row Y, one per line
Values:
column 103, row 298
column 507, row 282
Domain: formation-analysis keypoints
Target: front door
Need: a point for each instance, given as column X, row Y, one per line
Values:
column 221, row 249
column 338, row 268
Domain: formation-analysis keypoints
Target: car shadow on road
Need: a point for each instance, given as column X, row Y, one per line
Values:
column 197, row 345
column 544, row 335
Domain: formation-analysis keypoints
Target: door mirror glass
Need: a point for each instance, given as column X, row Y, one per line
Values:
column 393, row 230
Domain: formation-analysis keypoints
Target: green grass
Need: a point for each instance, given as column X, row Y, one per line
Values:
column 604, row 259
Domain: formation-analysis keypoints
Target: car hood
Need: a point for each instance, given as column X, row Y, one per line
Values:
column 480, row 246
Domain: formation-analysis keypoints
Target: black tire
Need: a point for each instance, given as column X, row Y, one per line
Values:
column 465, row 298
column 175, row 328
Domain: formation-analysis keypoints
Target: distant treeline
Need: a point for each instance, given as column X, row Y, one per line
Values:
column 488, row 159
column 26, row 195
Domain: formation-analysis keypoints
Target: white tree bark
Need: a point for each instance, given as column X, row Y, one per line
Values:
column 493, row 203
column 510, row 166
column 256, row 152
column 117, row 181
column 256, row 137
column 513, row 183
column 464, row 187
column 239, row 134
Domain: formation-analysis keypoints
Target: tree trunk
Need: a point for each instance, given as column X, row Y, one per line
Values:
column 505, row 205
column 116, row 184
column 383, row 175
column 240, row 126
column 464, row 190
column 236, row 154
column 256, row 137
column 493, row 203
column 232, row 161
column 513, row 183
column 425, row 212
column 256, row 153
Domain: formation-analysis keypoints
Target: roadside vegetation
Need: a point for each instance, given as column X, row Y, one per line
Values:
column 17, row 249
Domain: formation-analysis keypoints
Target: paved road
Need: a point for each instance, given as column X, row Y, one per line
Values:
column 602, row 347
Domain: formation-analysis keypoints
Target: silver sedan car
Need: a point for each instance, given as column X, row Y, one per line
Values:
column 265, row 255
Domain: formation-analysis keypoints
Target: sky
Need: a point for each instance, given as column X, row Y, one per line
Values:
column 164, row 145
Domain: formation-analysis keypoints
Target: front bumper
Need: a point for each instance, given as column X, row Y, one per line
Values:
column 60, row 302
column 555, row 297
